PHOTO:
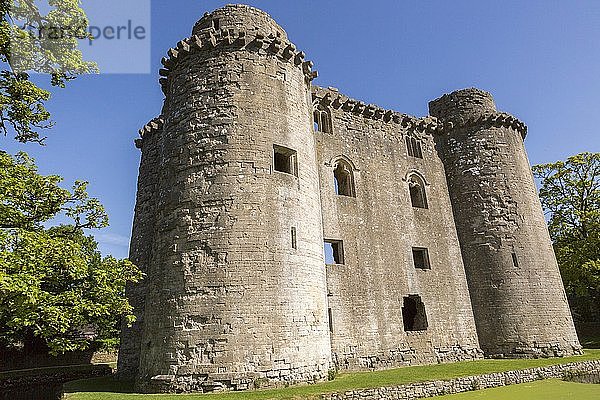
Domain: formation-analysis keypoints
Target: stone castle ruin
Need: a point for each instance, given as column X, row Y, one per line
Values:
column 286, row 230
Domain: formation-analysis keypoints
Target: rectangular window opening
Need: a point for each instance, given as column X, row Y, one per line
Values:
column 421, row 258
column 285, row 160
column 330, row 317
column 294, row 238
column 216, row 24
column 413, row 314
column 334, row 252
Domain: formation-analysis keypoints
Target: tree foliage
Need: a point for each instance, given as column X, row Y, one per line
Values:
column 570, row 195
column 53, row 280
column 44, row 43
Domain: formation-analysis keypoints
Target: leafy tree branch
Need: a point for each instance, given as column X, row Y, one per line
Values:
column 53, row 280
column 48, row 44
column 570, row 195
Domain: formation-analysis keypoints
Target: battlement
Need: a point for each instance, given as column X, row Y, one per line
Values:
column 470, row 107
column 337, row 101
column 155, row 125
column 232, row 39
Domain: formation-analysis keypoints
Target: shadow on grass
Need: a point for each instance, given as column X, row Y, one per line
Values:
column 103, row 384
column 589, row 335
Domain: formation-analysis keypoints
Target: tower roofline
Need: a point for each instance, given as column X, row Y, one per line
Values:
column 469, row 107
column 232, row 39
column 332, row 98
column 240, row 16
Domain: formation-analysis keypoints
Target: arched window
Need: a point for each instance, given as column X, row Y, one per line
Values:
column 418, row 197
column 322, row 120
column 344, row 179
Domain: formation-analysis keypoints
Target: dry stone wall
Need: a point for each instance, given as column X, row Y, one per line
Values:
column 466, row 384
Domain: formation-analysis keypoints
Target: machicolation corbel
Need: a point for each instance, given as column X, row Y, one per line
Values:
column 492, row 119
column 275, row 45
column 210, row 39
column 155, row 125
column 289, row 51
column 299, row 58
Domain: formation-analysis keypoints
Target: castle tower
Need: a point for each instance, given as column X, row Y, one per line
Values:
column 232, row 241
column 518, row 298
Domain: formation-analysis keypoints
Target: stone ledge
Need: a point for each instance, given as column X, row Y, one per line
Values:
column 466, row 384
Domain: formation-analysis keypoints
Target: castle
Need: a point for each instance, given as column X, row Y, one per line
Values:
column 286, row 230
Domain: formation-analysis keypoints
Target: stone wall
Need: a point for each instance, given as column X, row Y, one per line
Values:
column 141, row 245
column 379, row 227
column 229, row 300
column 519, row 303
column 236, row 197
column 466, row 384
column 16, row 359
column 45, row 383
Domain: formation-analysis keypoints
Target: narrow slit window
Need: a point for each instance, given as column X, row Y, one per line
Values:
column 294, row 238
column 322, row 120
column 285, row 160
column 413, row 314
column 330, row 318
column 515, row 260
column 418, row 197
column 413, row 146
column 344, row 179
column 421, row 258
column 334, row 252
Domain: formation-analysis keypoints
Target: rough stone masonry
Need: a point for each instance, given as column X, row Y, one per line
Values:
column 286, row 230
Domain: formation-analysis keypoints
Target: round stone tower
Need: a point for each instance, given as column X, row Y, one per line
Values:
column 518, row 298
column 235, row 293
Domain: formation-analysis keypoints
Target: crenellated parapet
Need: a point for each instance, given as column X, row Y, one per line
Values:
column 472, row 107
column 152, row 127
column 235, row 40
column 497, row 120
column 334, row 100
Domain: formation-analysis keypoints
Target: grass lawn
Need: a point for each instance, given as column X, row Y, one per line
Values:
column 107, row 388
column 550, row 389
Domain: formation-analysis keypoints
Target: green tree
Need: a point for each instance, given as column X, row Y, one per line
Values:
column 570, row 195
column 44, row 43
column 53, row 280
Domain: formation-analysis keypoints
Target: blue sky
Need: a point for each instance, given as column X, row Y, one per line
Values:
column 540, row 59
